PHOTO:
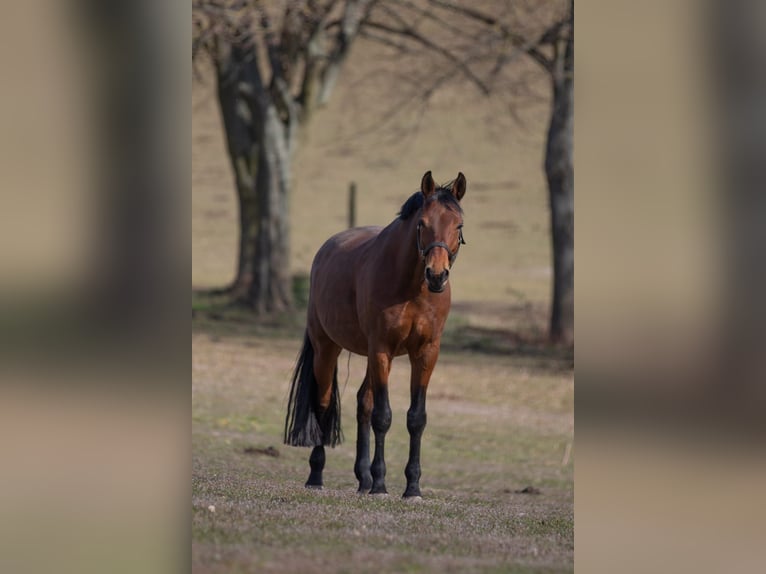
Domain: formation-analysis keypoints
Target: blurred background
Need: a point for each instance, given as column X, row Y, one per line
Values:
column 94, row 264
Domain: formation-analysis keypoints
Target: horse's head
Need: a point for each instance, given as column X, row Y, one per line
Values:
column 439, row 229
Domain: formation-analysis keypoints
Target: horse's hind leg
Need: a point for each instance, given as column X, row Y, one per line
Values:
column 327, row 412
column 316, row 462
column 363, row 416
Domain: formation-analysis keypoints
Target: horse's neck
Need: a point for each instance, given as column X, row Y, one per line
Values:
column 399, row 250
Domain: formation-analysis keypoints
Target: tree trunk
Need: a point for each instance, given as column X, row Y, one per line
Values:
column 248, row 227
column 271, row 289
column 259, row 142
column 559, row 170
column 233, row 71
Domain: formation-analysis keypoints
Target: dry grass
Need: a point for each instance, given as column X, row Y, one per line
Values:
column 495, row 426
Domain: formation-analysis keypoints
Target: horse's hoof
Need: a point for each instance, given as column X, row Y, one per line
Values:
column 314, row 486
column 416, row 498
column 411, row 492
column 364, row 488
column 382, row 494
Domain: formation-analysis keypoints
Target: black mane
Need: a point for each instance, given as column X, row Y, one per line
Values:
column 443, row 195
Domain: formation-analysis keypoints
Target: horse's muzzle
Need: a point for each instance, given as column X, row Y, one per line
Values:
column 436, row 281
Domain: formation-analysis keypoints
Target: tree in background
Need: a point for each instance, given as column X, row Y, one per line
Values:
column 484, row 42
column 269, row 82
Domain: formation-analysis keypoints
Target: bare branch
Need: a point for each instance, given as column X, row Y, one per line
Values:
column 214, row 20
column 465, row 11
column 384, row 40
column 530, row 47
column 272, row 49
column 303, row 32
column 412, row 34
column 278, row 87
column 430, row 15
column 355, row 12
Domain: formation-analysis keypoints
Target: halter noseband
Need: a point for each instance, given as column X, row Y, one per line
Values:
column 452, row 256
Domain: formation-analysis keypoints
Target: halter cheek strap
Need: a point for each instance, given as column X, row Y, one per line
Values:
column 452, row 256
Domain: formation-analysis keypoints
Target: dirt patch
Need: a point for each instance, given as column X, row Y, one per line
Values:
column 528, row 490
column 268, row 451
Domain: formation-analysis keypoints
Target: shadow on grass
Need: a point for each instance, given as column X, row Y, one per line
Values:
column 517, row 329
column 217, row 314
column 460, row 337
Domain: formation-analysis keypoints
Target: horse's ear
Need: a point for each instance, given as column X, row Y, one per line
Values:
column 458, row 187
column 427, row 185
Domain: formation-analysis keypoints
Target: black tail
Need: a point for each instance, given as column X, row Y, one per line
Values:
column 302, row 428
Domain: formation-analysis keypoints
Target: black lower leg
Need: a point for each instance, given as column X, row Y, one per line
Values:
column 381, row 422
column 316, row 461
column 416, row 423
column 362, row 463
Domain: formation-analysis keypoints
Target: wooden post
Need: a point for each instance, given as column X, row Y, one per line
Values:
column 352, row 205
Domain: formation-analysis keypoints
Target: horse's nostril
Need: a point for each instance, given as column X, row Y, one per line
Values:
column 432, row 277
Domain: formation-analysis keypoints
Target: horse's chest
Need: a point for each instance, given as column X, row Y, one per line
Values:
column 411, row 327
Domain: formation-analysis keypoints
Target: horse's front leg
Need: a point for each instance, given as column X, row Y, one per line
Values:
column 363, row 417
column 379, row 365
column 423, row 363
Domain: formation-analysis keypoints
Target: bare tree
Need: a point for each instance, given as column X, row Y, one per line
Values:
column 483, row 42
column 269, row 82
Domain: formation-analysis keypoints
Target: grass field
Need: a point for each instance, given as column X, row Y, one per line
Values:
column 500, row 406
column 496, row 424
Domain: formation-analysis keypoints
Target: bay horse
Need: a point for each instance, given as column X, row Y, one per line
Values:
column 380, row 293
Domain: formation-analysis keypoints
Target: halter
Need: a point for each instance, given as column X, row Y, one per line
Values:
column 452, row 256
